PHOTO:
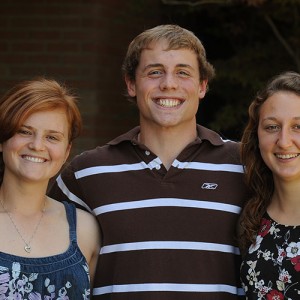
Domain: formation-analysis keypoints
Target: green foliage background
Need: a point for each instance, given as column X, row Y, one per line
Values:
column 248, row 42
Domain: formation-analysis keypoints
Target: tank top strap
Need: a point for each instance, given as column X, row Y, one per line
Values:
column 71, row 217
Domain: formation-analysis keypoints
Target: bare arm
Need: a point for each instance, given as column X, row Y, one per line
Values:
column 88, row 235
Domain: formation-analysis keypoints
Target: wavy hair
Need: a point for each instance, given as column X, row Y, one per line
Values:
column 258, row 176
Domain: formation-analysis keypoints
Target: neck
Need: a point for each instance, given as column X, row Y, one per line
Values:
column 167, row 143
column 286, row 192
column 285, row 204
column 27, row 200
column 16, row 217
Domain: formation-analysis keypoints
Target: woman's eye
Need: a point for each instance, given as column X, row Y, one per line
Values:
column 24, row 131
column 272, row 127
column 52, row 138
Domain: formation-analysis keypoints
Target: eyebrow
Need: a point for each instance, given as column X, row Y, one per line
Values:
column 161, row 66
column 275, row 119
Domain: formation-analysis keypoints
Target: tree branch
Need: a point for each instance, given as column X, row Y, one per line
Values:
column 284, row 43
column 195, row 3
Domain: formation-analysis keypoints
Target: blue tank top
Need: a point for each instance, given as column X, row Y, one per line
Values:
column 64, row 276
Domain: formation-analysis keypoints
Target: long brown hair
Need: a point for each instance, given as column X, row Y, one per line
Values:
column 258, row 176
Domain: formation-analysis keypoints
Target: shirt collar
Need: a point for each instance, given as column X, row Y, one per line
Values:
column 204, row 134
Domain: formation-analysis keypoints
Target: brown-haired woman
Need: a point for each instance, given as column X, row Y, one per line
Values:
column 270, row 221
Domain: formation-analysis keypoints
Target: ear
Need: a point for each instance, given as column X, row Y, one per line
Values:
column 130, row 87
column 202, row 88
column 68, row 150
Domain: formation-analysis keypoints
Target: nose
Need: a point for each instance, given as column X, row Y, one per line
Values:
column 37, row 143
column 284, row 138
column 168, row 81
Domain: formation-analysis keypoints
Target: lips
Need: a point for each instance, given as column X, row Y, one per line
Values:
column 34, row 159
column 168, row 102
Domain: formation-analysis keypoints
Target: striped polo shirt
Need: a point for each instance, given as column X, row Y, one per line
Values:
column 166, row 234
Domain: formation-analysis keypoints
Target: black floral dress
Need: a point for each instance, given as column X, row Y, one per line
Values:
column 271, row 269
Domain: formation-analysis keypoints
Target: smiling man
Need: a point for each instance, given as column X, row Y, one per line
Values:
column 167, row 194
column 167, row 88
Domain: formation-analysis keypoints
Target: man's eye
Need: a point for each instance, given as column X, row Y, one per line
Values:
column 155, row 72
column 183, row 73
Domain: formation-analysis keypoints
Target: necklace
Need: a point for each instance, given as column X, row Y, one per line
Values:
column 27, row 246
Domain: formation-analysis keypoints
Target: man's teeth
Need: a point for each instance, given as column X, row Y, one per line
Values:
column 34, row 159
column 286, row 156
column 168, row 102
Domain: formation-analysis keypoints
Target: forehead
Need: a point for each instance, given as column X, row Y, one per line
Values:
column 281, row 104
column 51, row 119
column 159, row 51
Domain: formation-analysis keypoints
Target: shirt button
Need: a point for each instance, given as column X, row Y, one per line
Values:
column 147, row 152
column 157, row 167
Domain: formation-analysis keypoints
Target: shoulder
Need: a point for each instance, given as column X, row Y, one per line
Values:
column 119, row 150
column 215, row 138
column 88, row 235
column 86, row 220
column 83, row 217
column 88, row 231
column 218, row 146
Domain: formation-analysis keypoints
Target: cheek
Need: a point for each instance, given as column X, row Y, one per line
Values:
column 143, row 87
column 265, row 147
column 194, row 84
column 264, row 143
column 9, row 146
column 59, row 154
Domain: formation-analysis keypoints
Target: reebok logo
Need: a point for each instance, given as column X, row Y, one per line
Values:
column 209, row 186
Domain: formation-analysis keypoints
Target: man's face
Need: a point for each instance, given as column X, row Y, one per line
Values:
column 167, row 86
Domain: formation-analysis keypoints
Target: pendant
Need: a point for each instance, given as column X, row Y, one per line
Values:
column 27, row 248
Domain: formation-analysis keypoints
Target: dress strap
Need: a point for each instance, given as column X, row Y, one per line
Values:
column 71, row 216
